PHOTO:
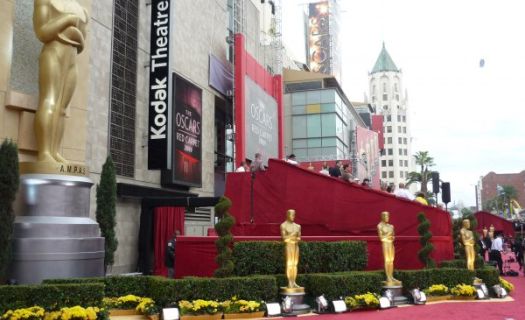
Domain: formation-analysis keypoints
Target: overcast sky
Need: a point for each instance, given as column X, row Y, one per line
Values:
column 470, row 119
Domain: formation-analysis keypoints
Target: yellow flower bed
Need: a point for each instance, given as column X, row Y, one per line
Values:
column 437, row 290
column 198, row 306
column 33, row 313
column 506, row 285
column 235, row 305
column 367, row 300
column 463, row 290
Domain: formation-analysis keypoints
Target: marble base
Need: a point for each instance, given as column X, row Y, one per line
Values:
column 53, row 235
column 397, row 292
column 298, row 307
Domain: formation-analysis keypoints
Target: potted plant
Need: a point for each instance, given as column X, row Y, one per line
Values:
column 437, row 292
column 463, row 292
column 242, row 309
column 199, row 310
column 78, row 313
column 506, row 285
column 123, row 306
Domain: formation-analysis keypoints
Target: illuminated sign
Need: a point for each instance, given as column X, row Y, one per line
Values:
column 319, row 55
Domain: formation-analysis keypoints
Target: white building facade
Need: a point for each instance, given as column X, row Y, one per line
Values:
column 390, row 100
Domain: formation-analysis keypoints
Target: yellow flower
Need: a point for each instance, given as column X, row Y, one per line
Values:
column 506, row 284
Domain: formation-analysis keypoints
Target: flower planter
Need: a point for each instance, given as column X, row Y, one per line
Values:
column 438, row 298
column 123, row 312
column 464, row 298
column 153, row 317
column 248, row 315
column 216, row 316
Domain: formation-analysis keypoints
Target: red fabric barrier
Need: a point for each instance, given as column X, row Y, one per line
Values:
column 196, row 255
column 485, row 219
column 167, row 220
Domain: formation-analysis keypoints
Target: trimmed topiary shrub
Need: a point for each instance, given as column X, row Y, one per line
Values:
column 266, row 257
column 51, row 296
column 426, row 246
column 106, row 211
column 9, row 180
column 223, row 227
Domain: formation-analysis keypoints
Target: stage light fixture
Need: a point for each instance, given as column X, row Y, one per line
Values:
column 273, row 309
column 485, row 290
column 499, row 291
column 385, row 303
column 287, row 305
column 322, row 304
column 170, row 313
column 418, row 296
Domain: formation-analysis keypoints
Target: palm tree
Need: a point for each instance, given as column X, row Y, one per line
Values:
column 424, row 175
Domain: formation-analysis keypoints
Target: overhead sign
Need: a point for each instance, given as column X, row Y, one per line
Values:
column 319, row 53
column 261, row 126
column 159, row 126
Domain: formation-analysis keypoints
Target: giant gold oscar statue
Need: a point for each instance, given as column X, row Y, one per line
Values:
column 61, row 26
column 291, row 235
column 467, row 238
column 386, row 234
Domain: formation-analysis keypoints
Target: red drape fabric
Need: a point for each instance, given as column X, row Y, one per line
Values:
column 167, row 220
column 485, row 219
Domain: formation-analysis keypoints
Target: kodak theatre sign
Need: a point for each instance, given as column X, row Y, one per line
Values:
column 159, row 128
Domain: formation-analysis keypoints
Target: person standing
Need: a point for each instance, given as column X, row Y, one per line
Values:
column 402, row 192
column 420, row 197
column 169, row 258
column 335, row 171
column 518, row 251
column 495, row 252
column 257, row 164
column 324, row 170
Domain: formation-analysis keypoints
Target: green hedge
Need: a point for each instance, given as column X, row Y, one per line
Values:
column 165, row 291
column 266, row 257
column 489, row 275
column 343, row 284
column 116, row 286
column 461, row 263
column 51, row 296
column 426, row 277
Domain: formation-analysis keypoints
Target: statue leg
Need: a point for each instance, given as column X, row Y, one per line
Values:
column 295, row 264
column 49, row 79
column 68, row 89
column 289, row 265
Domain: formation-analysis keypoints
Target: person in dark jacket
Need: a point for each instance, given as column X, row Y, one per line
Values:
column 335, row 171
column 169, row 258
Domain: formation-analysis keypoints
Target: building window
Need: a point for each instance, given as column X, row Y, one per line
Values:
column 395, row 87
column 397, row 97
column 123, row 87
column 390, row 163
column 401, row 174
column 389, row 140
column 405, row 152
column 400, row 163
column 385, row 97
column 383, row 163
column 389, row 129
column 390, row 151
column 383, row 174
column 384, row 87
column 400, row 152
column 374, row 89
column 404, row 129
column 388, row 118
column 398, row 118
column 405, row 140
column 398, row 129
column 400, row 140
column 404, row 118
column 390, row 174
column 406, row 163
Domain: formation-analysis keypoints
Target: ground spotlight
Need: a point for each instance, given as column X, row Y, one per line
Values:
column 418, row 296
column 499, row 291
column 273, row 309
column 170, row 313
column 322, row 304
column 339, row 305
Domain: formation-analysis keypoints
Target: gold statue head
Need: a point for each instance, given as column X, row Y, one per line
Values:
column 290, row 215
column 385, row 216
column 466, row 223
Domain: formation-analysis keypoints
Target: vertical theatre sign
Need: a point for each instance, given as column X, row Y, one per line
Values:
column 159, row 133
column 187, row 136
column 319, row 56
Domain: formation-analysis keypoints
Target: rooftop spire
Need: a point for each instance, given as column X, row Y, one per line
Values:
column 384, row 62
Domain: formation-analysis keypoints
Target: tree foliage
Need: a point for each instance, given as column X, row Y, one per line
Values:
column 9, row 181
column 223, row 228
column 426, row 246
column 424, row 176
column 106, row 211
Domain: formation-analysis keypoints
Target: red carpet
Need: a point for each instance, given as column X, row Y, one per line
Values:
column 514, row 310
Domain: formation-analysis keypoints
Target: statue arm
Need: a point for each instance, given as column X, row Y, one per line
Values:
column 47, row 29
column 299, row 234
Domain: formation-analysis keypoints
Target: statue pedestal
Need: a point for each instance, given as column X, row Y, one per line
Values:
column 53, row 235
column 397, row 294
column 297, row 297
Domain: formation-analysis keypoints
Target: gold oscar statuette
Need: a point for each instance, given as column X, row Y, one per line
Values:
column 61, row 26
column 386, row 235
column 291, row 235
column 467, row 238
